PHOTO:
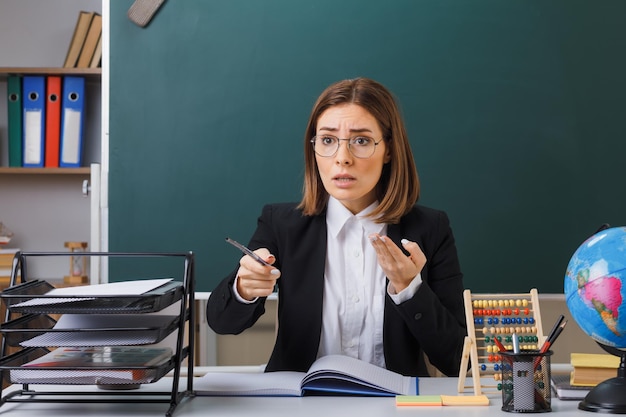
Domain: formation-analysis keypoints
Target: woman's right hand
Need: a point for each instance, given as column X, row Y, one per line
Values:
column 256, row 280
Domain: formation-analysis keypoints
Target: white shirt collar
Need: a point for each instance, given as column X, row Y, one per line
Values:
column 337, row 215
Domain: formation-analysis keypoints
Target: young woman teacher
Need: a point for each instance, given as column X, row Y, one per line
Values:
column 360, row 268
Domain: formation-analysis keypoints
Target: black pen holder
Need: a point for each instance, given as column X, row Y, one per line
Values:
column 526, row 382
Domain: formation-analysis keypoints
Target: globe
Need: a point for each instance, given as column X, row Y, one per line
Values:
column 595, row 293
column 595, row 287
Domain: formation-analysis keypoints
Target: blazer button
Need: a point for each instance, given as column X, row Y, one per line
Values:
column 418, row 316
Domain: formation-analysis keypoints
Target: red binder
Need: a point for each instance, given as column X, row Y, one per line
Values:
column 53, row 121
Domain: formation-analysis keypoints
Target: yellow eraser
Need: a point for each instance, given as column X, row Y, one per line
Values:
column 418, row 400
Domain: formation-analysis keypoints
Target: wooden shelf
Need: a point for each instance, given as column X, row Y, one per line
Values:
column 86, row 72
column 89, row 73
column 45, row 171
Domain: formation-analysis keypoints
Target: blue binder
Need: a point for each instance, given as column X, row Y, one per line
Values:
column 34, row 120
column 72, row 121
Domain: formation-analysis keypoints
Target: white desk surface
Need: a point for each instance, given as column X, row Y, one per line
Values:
column 269, row 406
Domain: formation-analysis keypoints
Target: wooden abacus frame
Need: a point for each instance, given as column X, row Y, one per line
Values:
column 499, row 312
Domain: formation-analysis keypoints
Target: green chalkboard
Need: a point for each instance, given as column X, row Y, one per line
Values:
column 515, row 109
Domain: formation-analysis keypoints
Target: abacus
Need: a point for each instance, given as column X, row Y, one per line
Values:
column 497, row 316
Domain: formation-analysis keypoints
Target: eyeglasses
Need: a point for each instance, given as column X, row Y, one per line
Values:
column 359, row 146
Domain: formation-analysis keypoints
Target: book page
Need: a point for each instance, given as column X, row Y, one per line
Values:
column 249, row 384
column 136, row 287
column 347, row 368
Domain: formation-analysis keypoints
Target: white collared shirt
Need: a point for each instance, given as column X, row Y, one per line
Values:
column 354, row 287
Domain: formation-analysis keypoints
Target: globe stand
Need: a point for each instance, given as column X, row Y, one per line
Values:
column 608, row 396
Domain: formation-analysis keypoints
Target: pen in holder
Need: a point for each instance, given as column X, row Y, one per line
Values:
column 526, row 381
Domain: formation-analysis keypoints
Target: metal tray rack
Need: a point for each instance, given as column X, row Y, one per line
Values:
column 26, row 322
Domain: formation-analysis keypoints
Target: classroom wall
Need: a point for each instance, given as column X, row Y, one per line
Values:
column 514, row 110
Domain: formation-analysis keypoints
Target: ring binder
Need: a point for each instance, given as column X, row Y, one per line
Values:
column 34, row 120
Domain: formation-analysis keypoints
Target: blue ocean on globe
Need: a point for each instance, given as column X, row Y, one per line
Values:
column 595, row 287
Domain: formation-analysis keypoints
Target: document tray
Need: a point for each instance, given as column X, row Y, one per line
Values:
column 39, row 330
column 25, row 328
column 151, row 301
column 78, row 375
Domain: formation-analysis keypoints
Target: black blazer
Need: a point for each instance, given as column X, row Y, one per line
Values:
column 432, row 322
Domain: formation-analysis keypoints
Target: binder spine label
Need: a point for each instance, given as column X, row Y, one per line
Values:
column 71, row 127
column 32, row 137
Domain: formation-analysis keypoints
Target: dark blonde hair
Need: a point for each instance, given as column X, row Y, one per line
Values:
column 398, row 188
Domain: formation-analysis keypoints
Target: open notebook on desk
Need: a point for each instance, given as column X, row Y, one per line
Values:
column 329, row 375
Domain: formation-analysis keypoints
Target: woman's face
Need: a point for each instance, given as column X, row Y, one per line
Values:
column 349, row 179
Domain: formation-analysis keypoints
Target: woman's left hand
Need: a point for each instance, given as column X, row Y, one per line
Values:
column 399, row 268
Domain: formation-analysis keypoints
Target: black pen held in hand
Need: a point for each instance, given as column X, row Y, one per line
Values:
column 247, row 251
